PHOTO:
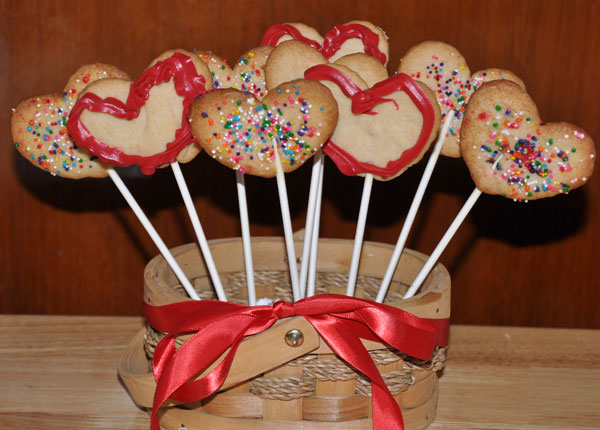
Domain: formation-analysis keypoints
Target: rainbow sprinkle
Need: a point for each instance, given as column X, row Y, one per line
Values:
column 245, row 129
column 47, row 143
column 527, row 161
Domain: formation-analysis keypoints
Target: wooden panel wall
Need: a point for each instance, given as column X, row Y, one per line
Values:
column 74, row 247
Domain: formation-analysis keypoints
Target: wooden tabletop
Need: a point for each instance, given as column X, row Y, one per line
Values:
column 60, row 372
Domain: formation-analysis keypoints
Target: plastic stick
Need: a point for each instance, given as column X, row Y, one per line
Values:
column 153, row 234
column 314, row 240
column 287, row 224
column 412, row 212
column 245, row 224
column 360, row 230
column 310, row 220
column 189, row 205
column 443, row 243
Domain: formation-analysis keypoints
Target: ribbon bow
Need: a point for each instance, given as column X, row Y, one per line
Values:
column 341, row 322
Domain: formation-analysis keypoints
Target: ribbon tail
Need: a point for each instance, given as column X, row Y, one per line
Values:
column 344, row 342
column 196, row 355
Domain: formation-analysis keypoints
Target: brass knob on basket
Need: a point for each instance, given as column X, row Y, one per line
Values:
column 294, row 338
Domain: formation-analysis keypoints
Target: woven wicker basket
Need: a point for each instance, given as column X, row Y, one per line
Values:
column 272, row 385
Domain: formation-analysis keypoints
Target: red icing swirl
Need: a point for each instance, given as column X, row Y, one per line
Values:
column 363, row 102
column 335, row 38
column 188, row 84
column 277, row 31
column 325, row 72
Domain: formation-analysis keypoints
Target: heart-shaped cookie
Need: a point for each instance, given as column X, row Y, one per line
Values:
column 237, row 129
column 144, row 122
column 444, row 69
column 343, row 39
column 248, row 74
column 38, row 127
column 509, row 152
column 381, row 130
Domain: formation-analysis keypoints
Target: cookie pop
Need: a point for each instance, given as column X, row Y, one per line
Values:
column 238, row 130
column 510, row 153
column 382, row 131
column 248, row 75
column 144, row 123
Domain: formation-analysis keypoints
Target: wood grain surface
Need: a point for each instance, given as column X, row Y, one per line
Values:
column 74, row 247
column 60, row 372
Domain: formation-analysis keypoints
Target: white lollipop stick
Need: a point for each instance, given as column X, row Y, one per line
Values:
column 443, row 243
column 310, row 220
column 189, row 205
column 153, row 234
column 287, row 224
column 245, row 224
column 412, row 212
column 314, row 240
column 360, row 230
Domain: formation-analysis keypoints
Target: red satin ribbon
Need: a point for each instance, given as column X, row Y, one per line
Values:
column 340, row 320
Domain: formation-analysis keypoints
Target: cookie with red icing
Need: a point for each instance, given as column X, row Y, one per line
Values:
column 237, row 129
column 444, row 69
column 38, row 127
column 511, row 153
column 343, row 39
column 142, row 122
column 383, row 129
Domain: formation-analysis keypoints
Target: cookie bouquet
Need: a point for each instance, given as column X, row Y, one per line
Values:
column 238, row 334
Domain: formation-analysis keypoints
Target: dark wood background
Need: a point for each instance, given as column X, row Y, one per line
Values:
column 74, row 247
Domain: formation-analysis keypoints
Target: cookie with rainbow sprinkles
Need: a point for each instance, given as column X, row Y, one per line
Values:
column 237, row 129
column 38, row 127
column 511, row 153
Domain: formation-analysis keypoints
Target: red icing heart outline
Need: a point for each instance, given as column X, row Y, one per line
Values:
column 188, row 84
column 362, row 103
column 333, row 40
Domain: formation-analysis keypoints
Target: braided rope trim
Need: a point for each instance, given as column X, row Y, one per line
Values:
column 235, row 282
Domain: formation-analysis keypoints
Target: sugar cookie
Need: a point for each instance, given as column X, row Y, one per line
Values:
column 38, row 127
column 381, row 130
column 237, row 129
column 509, row 152
column 144, row 122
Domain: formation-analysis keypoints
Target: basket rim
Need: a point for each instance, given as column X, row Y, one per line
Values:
column 157, row 270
